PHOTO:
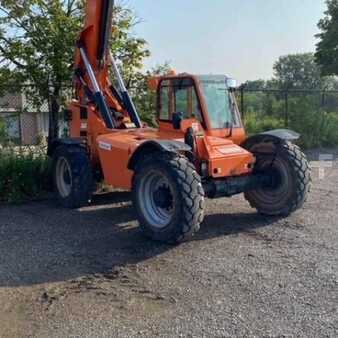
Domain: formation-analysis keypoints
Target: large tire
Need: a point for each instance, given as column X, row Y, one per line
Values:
column 168, row 197
column 291, row 182
column 72, row 176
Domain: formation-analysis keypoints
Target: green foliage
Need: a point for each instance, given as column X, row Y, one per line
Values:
column 3, row 134
column 24, row 173
column 37, row 40
column 307, row 112
column 264, row 103
column 295, row 71
column 316, row 126
column 327, row 48
column 261, row 84
column 255, row 123
column 144, row 98
column 255, row 84
column 299, row 71
column 128, row 49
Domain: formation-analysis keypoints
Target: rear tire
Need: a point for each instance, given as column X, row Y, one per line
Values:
column 168, row 197
column 292, row 180
column 72, row 176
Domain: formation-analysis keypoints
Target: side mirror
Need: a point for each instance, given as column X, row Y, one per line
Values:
column 231, row 83
column 177, row 120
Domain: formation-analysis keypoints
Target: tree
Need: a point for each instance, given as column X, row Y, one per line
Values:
column 327, row 48
column 299, row 71
column 37, row 39
column 145, row 99
column 254, row 84
column 128, row 49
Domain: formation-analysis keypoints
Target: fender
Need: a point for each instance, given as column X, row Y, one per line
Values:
column 64, row 141
column 275, row 136
column 153, row 146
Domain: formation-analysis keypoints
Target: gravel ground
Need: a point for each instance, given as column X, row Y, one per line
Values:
column 90, row 273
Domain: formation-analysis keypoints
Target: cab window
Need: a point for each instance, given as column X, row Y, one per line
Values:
column 179, row 96
column 164, row 104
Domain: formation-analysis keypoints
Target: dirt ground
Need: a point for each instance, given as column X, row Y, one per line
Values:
column 90, row 272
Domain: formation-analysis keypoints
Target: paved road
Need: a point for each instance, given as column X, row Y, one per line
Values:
column 90, row 273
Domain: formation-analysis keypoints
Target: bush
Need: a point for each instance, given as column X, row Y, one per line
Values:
column 317, row 128
column 24, row 173
column 255, row 123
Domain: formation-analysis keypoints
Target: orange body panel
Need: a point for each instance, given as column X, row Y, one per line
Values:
column 238, row 134
column 227, row 158
column 115, row 149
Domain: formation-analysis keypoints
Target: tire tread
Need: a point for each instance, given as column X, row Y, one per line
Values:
column 302, row 171
column 191, row 191
column 82, row 176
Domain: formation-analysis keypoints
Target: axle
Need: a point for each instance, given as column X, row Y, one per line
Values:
column 231, row 186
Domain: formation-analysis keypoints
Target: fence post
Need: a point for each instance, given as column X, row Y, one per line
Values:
column 323, row 99
column 242, row 101
column 286, row 117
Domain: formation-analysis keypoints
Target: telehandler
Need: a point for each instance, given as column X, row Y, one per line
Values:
column 199, row 150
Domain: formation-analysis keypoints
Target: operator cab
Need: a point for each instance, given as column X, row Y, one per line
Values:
column 209, row 99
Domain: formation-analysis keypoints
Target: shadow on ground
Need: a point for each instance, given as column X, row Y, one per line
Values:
column 42, row 243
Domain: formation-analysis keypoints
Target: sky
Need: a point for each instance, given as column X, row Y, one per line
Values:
column 241, row 39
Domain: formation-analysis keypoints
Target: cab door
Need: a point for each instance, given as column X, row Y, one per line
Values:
column 178, row 96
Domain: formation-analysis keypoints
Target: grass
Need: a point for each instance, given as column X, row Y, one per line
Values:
column 24, row 173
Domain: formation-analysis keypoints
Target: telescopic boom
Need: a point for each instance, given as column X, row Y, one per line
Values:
column 92, row 65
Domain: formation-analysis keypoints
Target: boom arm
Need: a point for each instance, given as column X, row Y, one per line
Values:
column 92, row 63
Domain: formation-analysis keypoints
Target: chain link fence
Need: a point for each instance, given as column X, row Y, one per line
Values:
column 23, row 119
column 312, row 113
column 281, row 103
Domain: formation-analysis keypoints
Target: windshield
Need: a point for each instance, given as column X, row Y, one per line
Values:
column 220, row 102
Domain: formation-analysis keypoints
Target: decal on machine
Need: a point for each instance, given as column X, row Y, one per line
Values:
column 105, row 146
column 230, row 150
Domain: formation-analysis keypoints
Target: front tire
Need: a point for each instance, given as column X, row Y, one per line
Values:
column 168, row 197
column 72, row 176
column 291, row 177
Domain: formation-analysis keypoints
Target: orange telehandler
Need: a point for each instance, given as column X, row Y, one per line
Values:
column 199, row 150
